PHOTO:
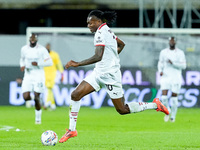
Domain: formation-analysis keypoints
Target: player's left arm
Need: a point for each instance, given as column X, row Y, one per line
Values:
column 120, row 45
column 45, row 59
column 181, row 63
column 95, row 58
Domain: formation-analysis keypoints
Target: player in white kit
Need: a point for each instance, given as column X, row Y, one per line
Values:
column 33, row 58
column 171, row 62
column 106, row 73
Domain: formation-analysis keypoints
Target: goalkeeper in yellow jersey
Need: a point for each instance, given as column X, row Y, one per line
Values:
column 50, row 75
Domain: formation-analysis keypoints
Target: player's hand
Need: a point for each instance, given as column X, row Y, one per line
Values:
column 19, row 80
column 169, row 61
column 161, row 73
column 71, row 63
column 22, row 69
column 34, row 63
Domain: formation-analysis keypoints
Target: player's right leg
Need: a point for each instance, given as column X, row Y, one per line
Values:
column 116, row 93
column 174, row 107
column 134, row 107
column 27, row 96
column 114, row 88
column 165, row 86
column 174, row 101
column 82, row 89
column 38, row 111
column 165, row 102
column 26, row 90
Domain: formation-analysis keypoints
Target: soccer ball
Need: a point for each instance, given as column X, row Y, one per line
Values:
column 49, row 138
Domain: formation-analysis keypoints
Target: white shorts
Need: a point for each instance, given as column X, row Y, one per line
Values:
column 110, row 81
column 33, row 84
column 174, row 87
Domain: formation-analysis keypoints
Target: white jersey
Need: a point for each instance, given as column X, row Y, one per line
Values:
column 37, row 54
column 172, row 72
column 110, row 61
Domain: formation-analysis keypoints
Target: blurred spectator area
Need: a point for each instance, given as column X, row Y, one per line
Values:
column 17, row 15
column 93, row 4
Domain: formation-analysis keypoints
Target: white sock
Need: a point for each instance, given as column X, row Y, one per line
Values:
column 73, row 114
column 164, row 100
column 38, row 114
column 141, row 106
column 174, row 106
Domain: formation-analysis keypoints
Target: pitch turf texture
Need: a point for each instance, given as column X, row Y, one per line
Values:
column 102, row 129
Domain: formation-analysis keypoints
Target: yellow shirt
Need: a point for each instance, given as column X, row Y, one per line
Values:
column 50, row 72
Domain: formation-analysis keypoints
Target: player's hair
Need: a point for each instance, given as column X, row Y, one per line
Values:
column 107, row 16
column 34, row 35
column 172, row 37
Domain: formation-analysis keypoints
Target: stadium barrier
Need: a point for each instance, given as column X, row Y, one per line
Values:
column 139, row 84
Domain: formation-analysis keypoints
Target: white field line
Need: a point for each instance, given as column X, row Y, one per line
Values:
column 6, row 128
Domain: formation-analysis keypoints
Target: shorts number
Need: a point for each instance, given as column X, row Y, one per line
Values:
column 109, row 87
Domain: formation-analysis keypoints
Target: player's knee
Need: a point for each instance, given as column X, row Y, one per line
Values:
column 75, row 95
column 121, row 111
column 37, row 99
column 27, row 97
column 174, row 94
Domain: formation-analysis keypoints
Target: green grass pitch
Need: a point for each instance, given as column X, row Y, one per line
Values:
column 101, row 129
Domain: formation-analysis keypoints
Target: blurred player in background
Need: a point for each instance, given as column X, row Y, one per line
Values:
column 33, row 59
column 50, row 75
column 171, row 62
column 106, row 73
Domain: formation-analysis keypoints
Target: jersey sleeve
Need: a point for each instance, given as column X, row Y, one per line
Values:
column 46, row 59
column 99, row 39
column 181, row 63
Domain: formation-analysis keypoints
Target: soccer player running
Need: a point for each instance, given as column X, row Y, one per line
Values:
column 50, row 75
column 106, row 73
column 171, row 62
column 33, row 58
